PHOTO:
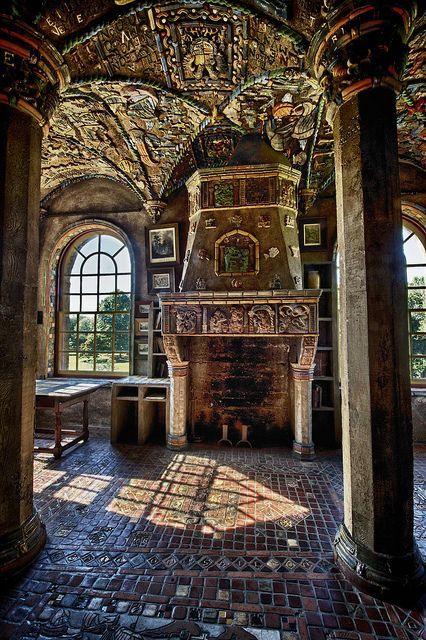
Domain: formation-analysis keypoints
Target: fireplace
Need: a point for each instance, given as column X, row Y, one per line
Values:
column 241, row 333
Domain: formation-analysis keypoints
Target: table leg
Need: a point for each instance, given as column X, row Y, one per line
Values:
column 57, row 450
column 85, row 420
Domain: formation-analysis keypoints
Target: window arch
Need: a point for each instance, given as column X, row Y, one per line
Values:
column 95, row 294
column 414, row 240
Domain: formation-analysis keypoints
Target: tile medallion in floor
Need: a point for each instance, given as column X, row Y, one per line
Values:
column 204, row 544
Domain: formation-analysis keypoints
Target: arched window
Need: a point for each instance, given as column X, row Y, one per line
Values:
column 414, row 239
column 93, row 334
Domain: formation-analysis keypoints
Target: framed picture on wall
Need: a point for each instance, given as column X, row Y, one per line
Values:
column 313, row 234
column 161, row 280
column 163, row 244
column 141, row 326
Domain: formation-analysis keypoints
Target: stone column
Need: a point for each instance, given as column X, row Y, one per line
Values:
column 177, row 437
column 30, row 75
column 359, row 60
column 303, row 447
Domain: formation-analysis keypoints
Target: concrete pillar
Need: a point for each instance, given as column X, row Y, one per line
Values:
column 303, row 447
column 375, row 545
column 22, row 534
column 177, row 437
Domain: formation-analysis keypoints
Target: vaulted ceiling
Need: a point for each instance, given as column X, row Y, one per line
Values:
column 154, row 86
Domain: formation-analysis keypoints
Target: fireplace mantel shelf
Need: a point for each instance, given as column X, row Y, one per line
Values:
column 282, row 313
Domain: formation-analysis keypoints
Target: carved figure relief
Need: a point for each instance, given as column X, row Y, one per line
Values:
column 236, row 320
column 293, row 318
column 289, row 221
column 200, row 284
column 262, row 318
column 219, row 322
column 194, row 200
column 211, row 223
column 264, row 222
column 236, row 253
column 202, row 46
column 287, row 194
column 237, row 219
column 186, row 320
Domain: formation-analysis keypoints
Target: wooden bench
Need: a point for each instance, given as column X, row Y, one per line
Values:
column 57, row 394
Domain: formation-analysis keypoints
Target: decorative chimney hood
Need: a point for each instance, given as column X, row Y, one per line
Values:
column 242, row 279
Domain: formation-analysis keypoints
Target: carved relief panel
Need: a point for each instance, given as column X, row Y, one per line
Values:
column 236, row 253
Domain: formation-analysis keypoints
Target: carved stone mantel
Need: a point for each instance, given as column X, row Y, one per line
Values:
column 281, row 314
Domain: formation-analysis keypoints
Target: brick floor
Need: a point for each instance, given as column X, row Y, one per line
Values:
column 144, row 542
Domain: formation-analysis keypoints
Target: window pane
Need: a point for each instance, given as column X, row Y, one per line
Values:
column 86, row 322
column 417, row 321
column 121, row 342
column 71, row 303
column 123, row 261
column 418, row 345
column 67, row 361
column 85, row 362
column 103, row 362
column 106, row 302
column 417, row 298
column 123, row 284
column 123, row 302
column 107, row 265
column 86, row 342
column 89, row 284
column 89, row 245
column 69, row 322
column 91, row 265
column 69, row 341
column 89, row 303
column 121, row 362
column 121, row 322
column 107, row 284
column 74, row 284
column 104, row 322
column 418, row 368
column 414, row 251
column 75, row 264
column 416, row 276
column 110, row 245
column 103, row 342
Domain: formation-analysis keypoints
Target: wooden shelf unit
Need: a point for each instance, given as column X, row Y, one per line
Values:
column 325, row 387
column 150, row 359
column 133, row 408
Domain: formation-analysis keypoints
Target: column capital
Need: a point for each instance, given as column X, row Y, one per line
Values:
column 32, row 71
column 361, row 45
column 178, row 369
column 300, row 372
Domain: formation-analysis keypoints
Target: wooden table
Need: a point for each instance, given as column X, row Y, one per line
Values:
column 58, row 394
column 133, row 406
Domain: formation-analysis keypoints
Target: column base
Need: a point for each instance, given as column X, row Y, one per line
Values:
column 20, row 547
column 398, row 579
column 177, row 443
column 303, row 451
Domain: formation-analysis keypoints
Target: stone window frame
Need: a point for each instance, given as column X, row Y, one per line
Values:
column 415, row 222
column 72, row 248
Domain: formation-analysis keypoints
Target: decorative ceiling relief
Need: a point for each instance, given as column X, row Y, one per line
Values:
column 269, row 49
column 203, row 47
column 125, row 47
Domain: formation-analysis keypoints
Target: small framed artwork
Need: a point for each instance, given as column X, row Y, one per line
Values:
column 142, row 348
column 313, row 234
column 141, row 309
column 161, row 280
column 141, row 326
column 163, row 244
